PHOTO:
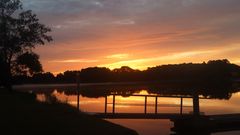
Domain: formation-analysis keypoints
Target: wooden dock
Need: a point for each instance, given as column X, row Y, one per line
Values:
column 226, row 117
column 206, row 124
column 226, row 122
column 185, row 123
column 140, row 115
column 221, row 117
column 157, row 115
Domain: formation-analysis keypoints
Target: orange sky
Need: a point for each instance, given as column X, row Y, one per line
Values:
column 137, row 33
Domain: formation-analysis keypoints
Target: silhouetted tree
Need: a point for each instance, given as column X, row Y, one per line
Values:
column 27, row 64
column 20, row 32
column 43, row 78
column 69, row 76
column 95, row 74
column 125, row 74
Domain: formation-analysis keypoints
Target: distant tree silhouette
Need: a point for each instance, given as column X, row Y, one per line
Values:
column 95, row 74
column 43, row 78
column 123, row 69
column 126, row 74
column 212, row 72
column 20, row 32
column 68, row 77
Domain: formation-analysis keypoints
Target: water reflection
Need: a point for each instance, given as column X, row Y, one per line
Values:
column 171, row 98
column 213, row 91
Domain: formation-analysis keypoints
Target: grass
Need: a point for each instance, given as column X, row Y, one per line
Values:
column 20, row 113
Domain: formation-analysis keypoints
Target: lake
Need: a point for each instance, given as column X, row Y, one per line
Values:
column 143, row 98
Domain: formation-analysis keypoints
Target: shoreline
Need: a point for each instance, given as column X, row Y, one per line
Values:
column 21, row 113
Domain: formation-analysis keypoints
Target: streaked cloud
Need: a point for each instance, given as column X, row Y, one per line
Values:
column 174, row 58
column 153, row 31
column 142, row 62
column 117, row 56
column 74, row 61
column 124, row 22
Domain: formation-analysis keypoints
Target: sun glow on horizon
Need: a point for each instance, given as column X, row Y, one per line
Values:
column 137, row 34
column 175, row 58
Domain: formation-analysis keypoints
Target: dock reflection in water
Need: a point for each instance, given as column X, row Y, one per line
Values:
column 167, row 101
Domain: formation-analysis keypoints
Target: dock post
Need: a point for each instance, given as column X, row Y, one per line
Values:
column 78, row 100
column 78, row 92
column 181, row 106
column 145, row 106
column 105, row 104
column 196, row 111
column 113, row 111
column 156, row 105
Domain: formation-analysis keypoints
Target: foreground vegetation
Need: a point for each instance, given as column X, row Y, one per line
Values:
column 22, row 114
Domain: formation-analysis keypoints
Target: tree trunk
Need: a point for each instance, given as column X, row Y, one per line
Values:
column 7, row 77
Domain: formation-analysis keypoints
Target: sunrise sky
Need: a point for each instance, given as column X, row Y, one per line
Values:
column 137, row 33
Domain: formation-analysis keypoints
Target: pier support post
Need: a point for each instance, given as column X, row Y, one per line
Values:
column 196, row 111
column 145, row 106
column 181, row 106
column 78, row 92
column 78, row 100
column 113, row 111
column 105, row 104
column 156, row 105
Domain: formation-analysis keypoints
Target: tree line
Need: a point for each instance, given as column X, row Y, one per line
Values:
column 212, row 71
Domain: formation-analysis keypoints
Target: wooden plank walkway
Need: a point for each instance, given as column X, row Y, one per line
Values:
column 226, row 117
column 221, row 117
column 226, row 122
column 207, row 124
column 140, row 115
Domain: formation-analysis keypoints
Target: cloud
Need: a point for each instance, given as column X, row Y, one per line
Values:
column 142, row 62
column 188, row 56
column 117, row 56
column 96, row 28
column 75, row 61
column 98, row 3
column 124, row 22
column 80, row 18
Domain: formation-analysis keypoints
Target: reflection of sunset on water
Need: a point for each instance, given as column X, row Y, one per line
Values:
column 134, row 104
column 131, row 99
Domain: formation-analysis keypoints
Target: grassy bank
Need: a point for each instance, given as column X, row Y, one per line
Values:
column 20, row 113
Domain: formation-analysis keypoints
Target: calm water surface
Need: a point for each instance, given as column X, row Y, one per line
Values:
column 92, row 100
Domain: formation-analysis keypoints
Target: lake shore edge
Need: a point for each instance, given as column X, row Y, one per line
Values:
column 21, row 113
